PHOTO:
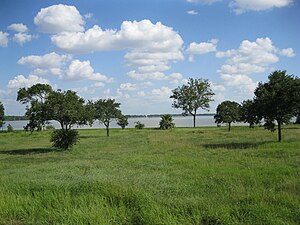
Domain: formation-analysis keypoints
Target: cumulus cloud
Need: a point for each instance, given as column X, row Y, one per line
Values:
column 192, row 12
column 3, row 39
column 151, row 46
column 128, row 87
column 79, row 70
column 202, row 48
column 241, row 6
column 20, row 81
column 250, row 58
column 59, row 18
column 18, row 27
column 289, row 52
column 50, row 60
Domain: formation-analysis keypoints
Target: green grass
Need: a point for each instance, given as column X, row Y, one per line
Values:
column 203, row 176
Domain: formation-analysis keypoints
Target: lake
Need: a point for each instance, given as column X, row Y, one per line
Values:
column 150, row 122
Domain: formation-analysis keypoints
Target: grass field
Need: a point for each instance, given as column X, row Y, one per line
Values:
column 203, row 176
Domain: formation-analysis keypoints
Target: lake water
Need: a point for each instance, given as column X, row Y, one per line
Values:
column 150, row 122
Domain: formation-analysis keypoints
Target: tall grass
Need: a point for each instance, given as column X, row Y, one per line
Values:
column 182, row 176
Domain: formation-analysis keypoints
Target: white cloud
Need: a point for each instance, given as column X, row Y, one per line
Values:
column 79, row 70
column 241, row 6
column 48, row 61
column 151, row 46
column 205, row 2
column 250, row 58
column 128, row 87
column 3, row 39
column 18, row 27
column 162, row 92
column 289, row 52
column 202, row 48
column 192, row 12
column 22, row 38
column 59, row 18
column 88, row 15
column 20, row 81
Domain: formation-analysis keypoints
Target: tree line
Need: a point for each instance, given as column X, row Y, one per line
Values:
column 275, row 103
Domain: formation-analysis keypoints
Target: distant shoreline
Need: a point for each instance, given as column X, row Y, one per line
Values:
column 18, row 118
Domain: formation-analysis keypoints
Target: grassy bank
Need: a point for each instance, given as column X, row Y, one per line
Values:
column 204, row 176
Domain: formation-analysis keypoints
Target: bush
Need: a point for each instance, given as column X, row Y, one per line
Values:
column 64, row 139
column 10, row 128
column 139, row 125
column 166, row 122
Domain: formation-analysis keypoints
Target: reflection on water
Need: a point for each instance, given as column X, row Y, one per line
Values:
column 151, row 122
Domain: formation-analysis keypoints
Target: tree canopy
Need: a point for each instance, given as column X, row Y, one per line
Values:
column 36, row 111
column 192, row 96
column 123, row 121
column 277, row 100
column 106, row 110
column 228, row 112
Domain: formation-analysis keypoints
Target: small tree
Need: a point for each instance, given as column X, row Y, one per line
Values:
column 107, row 110
column 122, row 121
column 227, row 112
column 2, row 118
column 249, row 113
column 166, row 122
column 277, row 100
column 35, row 97
column 139, row 125
column 192, row 96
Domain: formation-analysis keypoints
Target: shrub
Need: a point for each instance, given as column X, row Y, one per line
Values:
column 139, row 125
column 64, row 139
column 122, row 121
column 166, row 122
column 10, row 128
column 50, row 127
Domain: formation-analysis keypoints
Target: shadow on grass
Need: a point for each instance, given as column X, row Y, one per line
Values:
column 233, row 145
column 28, row 151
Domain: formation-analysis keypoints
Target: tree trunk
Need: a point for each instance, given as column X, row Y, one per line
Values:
column 107, row 129
column 279, row 130
column 229, row 126
column 194, row 115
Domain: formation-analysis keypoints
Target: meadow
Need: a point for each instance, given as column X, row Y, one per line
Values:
column 203, row 176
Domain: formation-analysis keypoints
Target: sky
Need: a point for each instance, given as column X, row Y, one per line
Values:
column 138, row 51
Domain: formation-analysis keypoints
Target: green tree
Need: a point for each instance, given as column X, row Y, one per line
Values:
column 277, row 100
column 192, row 96
column 228, row 112
column 166, row 122
column 106, row 110
column 248, row 113
column 122, row 121
column 68, row 109
column 36, row 110
column 2, row 118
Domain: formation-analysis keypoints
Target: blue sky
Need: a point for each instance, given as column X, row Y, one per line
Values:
column 138, row 51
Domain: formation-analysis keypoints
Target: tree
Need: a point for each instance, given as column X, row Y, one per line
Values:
column 1, row 115
column 277, row 100
column 122, row 121
column 36, row 111
column 192, row 96
column 166, row 122
column 107, row 110
column 227, row 112
column 68, row 109
column 248, row 113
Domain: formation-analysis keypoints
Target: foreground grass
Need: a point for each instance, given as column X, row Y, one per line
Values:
column 204, row 176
